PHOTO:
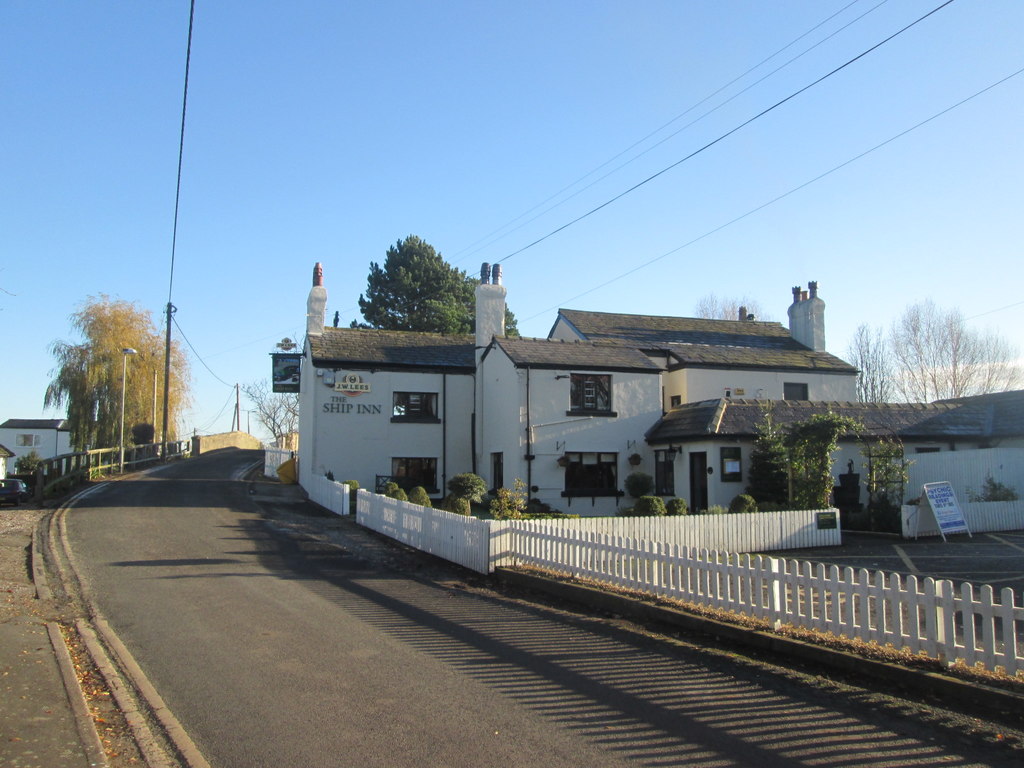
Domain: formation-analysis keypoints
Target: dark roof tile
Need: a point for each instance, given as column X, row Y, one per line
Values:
column 699, row 341
column 399, row 349
column 549, row 353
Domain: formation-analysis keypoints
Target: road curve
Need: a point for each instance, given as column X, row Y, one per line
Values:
column 275, row 649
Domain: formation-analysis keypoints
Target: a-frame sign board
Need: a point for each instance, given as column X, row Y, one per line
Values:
column 940, row 500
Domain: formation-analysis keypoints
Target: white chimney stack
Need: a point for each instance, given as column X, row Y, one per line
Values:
column 316, row 304
column 490, row 306
column 807, row 317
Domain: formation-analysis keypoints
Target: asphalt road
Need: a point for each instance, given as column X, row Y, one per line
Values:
column 275, row 649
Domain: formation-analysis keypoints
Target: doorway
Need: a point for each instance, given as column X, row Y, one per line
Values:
column 698, row 480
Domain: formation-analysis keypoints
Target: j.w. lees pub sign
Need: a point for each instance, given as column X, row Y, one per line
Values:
column 350, row 385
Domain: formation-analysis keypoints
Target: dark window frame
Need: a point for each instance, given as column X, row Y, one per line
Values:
column 414, row 407
column 497, row 470
column 410, row 471
column 800, row 387
column 591, row 473
column 665, row 472
column 728, row 454
column 590, row 394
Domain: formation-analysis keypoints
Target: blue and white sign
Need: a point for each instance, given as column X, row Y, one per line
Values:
column 942, row 501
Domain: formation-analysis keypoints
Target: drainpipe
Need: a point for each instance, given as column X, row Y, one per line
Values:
column 529, row 443
column 444, row 430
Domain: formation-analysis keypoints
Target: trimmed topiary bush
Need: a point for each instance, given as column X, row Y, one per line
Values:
column 394, row 491
column 717, row 509
column 418, row 495
column 353, row 485
column 453, row 503
column 639, row 484
column 649, row 506
column 677, row 507
column 468, row 486
column 742, row 503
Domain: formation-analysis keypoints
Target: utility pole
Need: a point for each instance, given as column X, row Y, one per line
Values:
column 167, row 379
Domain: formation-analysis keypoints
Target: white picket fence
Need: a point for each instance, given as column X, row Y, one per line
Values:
column 966, row 470
column 925, row 616
column 329, row 494
column 980, row 516
column 456, row 538
column 274, row 458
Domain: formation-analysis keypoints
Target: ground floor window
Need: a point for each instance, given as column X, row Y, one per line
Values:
column 410, row 472
column 497, row 471
column 732, row 465
column 665, row 473
column 591, row 474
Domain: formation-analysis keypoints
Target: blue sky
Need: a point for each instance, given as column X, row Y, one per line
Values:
column 326, row 131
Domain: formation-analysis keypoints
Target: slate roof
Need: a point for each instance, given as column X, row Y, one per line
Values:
column 550, row 353
column 694, row 341
column 967, row 419
column 58, row 424
column 360, row 347
column 1001, row 412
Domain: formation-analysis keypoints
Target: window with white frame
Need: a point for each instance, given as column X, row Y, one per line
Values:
column 28, row 441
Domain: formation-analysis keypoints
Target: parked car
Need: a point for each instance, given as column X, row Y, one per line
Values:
column 13, row 492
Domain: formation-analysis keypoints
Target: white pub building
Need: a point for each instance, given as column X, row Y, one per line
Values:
column 572, row 415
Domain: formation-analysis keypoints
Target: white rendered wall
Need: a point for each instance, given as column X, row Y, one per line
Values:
column 354, row 437
column 52, row 442
column 696, row 384
column 635, row 399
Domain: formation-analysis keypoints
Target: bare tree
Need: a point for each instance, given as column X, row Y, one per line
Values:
column 937, row 356
column 869, row 352
column 278, row 412
column 711, row 307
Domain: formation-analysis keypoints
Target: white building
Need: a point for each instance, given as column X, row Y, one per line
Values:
column 47, row 437
column 573, row 414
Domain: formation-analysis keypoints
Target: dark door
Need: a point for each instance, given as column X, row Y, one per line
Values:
column 698, row 480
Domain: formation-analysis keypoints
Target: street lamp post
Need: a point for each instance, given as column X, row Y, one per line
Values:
column 124, row 379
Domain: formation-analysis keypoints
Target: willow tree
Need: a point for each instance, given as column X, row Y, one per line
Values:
column 87, row 375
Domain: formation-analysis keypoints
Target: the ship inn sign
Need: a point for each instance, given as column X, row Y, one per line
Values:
column 351, row 384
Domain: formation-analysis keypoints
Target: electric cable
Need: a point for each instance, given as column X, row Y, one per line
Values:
column 198, row 357
column 787, row 194
column 213, row 421
column 725, row 135
column 490, row 236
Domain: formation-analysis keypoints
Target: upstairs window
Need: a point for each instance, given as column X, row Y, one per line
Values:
column 794, row 391
column 414, row 406
column 27, row 441
column 590, row 393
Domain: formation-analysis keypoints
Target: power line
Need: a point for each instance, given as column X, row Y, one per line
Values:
column 784, row 195
column 992, row 311
column 198, row 357
column 725, row 135
column 213, row 421
column 490, row 236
